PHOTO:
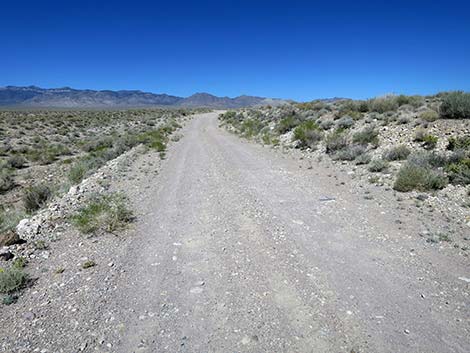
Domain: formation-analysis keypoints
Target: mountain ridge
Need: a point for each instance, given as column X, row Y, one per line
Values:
column 67, row 97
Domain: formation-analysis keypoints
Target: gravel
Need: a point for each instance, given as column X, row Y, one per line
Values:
column 238, row 247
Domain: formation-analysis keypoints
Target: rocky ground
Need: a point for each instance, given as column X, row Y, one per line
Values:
column 399, row 127
column 240, row 247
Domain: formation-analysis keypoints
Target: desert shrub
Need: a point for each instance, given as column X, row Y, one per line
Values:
column 383, row 104
column 6, row 180
column 429, row 116
column 327, row 124
column 156, row 139
column 9, row 219
column 47, row 157
column 420, row 134
column 230, row 118
column 98, row 144
column 16, row 161
column 19, row 262
column 364, row 158
column 35, row 197
column 397, row 153
column 12, row 279
column 336, row 141
column 403, row 120
column 82, row 168
column 459, row 173
column 88, row 264
column 103, row 212
column 355, row 115
column 427, row 159
column 415, row 177
column 414, row 101
column 251, row 127
column 455, row 105
column 308, row 134
column 4, row 149
column 350, row 153
column 430, row 142
column 377, row 165
column 459, row 143
column 345, row 122
column 287, row 124
column 367, row 135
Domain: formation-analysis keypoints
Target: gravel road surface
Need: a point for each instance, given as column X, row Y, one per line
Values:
column 240, row 250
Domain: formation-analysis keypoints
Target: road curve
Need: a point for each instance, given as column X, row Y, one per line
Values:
column 239, row 250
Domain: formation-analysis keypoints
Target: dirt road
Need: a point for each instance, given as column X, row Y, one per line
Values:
column 240, row 250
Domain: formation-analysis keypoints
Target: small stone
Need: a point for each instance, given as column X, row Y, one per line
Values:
column 196, row 290
column 6, row 255
column 9, row 238
column 29, row 316
column 407, row 331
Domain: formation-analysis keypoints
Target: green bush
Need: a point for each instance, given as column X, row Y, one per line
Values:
column 430, row 142
column 12, row 279
column 16, row 161
column 398, row 153
column 414, row 101
column 414, row 177
column 367, row 135
column 287, row 124
column 251, row 127
column 35, row 197
column 429, row 116
column 9, row 219
column 85, row 167
column 98, row 144
column 383, row 104
column 377, row 165
column 327, row 124
column 308, row 134
column 364, row 158
column 455, row 105
column 459, row 173
column 459, row 143
column 350, row 153
column 103, row 212
column 156, row 139
column 269, row 138
column 336, row 141
column 345, row 122
column 6, row 180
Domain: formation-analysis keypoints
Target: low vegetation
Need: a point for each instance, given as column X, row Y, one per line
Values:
column 45, row 152
column 308, row 134
column 411, row 138
column 12, row 279
column 103, row 213
column 455, row 105
column 416, row 177
column 36, row 196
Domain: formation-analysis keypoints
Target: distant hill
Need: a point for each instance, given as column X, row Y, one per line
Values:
column 36, row 97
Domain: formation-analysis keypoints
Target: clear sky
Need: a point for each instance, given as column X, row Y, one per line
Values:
column 288, row 49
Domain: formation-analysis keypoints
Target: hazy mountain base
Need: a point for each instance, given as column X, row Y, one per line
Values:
column 66, row 97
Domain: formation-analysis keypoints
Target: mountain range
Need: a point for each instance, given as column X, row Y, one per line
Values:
column 66, row 97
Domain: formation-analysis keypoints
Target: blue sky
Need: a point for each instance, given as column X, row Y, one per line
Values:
column 290, row 49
